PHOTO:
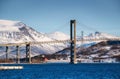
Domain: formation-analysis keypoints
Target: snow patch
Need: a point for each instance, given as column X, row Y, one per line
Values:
column 58, row 36
column 6, row 25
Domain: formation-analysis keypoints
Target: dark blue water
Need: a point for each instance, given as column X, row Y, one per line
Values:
column 64, row 71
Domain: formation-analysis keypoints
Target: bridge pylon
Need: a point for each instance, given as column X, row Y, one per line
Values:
column 73, row 41
column 18, row 54
column 28, row 53
column 7, row 53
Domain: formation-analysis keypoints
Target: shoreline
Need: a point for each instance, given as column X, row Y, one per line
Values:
column 62, row 61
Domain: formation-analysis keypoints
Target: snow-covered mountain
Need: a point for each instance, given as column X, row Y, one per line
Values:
column 18, row 32
column 104, row 52
column 15, row 31
column 96, row 35
column 58, row 36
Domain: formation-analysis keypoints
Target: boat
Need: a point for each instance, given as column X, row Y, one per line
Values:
column 10, row 67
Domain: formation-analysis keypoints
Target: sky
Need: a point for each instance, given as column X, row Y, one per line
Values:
column 48, row 16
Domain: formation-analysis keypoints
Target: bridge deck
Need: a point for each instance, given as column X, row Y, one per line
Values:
column 56, row 41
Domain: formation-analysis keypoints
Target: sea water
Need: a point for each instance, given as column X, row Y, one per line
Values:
column 64, row 71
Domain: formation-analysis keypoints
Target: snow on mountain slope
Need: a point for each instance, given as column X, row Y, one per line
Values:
column 98, row 35
column 58, row 36
column 7, row 25
column 10, row 32
column 16, row 32
column 8, row 22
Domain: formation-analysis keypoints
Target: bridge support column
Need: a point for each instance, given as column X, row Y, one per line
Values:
column 73, row 41
column 7, row 52
column 17, row 55
column 82, row 39
column 28, row 53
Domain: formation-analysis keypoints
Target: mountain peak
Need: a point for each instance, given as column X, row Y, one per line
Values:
column 8, row 25
column 101, row 35
column 8, row 22
column 58, row 35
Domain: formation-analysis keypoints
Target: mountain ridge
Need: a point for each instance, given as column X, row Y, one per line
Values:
column 23, row 33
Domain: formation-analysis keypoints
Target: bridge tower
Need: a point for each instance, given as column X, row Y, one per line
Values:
column 28, row 52
column 82, row 35
column 7, row 53
column 18, row 54
column 73, row 41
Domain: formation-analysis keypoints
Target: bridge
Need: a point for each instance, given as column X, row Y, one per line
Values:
column 72, row 41
column 58, row 41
